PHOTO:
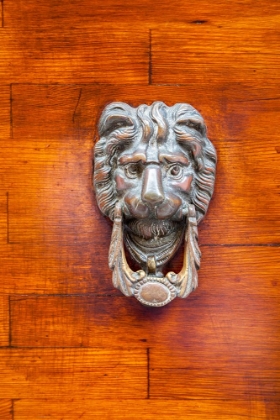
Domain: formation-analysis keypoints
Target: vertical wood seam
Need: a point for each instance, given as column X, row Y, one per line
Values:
column 12, row 409
column 2, row 13
column 77, row 104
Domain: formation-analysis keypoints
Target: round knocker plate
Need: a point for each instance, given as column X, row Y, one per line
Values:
column 155, row 291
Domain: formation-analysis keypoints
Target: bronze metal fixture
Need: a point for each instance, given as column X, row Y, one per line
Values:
column 154, row 177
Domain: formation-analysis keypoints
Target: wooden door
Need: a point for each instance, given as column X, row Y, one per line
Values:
column 72, row 346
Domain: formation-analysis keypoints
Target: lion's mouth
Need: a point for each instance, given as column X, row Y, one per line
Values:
column 153, row 237
column 152, row 228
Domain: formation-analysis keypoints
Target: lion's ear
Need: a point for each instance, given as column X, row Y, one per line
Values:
column 116, row 115
column 194, row 123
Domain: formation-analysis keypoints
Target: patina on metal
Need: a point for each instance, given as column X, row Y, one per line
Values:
column 154, row 177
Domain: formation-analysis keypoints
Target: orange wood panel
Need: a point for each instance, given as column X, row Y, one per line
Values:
column 5, row 127
column 4, row 321
column 31, row 268
column 48, row 112
column 57, row 161
column 6, row 409
column 144, row 409
column 78, row 348
column 24, row 13
column 5, row 109
column 3, row 216
column 232, row 51
column 77, row 53
column 63, row 112
column 234, row 296
column 58, row 268
column 246, row 373
column 45, row 176
column 83, row 373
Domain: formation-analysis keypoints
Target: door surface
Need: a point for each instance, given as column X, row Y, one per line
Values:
column 72, row 346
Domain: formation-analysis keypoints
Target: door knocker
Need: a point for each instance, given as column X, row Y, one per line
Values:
column 154, row 177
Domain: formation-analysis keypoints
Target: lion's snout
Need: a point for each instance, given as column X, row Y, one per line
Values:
column 152, row 192
column 135, row 207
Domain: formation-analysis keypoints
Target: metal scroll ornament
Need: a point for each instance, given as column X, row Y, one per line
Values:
column 154, row 177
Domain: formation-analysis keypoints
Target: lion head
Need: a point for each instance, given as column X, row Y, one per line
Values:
column 155, row 161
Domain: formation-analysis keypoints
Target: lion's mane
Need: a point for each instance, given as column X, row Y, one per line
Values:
column 120, row 124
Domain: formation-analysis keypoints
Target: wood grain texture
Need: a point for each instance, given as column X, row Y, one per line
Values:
column 1, row 14
column 71, row 346
column 144, row 409
column 4, row 321
column 5, row 123
column 238, row 49
column 182, row 374
column 222, row 309
column 51, row 14
column 45, row 176
column 77, row 53
column 6, row 409
column 3, row 216
column 84, row 373
column 57, row 124
column 47, row 269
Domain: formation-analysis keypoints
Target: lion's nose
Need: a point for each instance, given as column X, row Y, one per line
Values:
column 152, row 189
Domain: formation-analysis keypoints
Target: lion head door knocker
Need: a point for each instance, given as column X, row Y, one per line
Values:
column 154, row 177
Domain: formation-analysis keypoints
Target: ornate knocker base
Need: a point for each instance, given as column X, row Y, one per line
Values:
column 149, row 288
column 154, row 177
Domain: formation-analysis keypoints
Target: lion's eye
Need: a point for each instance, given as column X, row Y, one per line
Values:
column 175, row 171
column 132, row 170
